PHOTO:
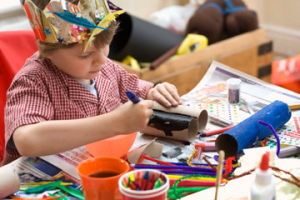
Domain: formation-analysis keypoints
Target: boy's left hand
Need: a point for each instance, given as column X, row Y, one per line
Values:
column 165, row 93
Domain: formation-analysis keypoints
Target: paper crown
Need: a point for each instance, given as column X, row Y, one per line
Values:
column 60, row 21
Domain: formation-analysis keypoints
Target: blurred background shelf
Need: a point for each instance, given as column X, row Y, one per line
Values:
column 250, row 52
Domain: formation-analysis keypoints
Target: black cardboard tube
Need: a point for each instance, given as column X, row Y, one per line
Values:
column 169, row 121
column 141, row 39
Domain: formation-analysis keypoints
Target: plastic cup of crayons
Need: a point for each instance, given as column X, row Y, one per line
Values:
column 146, row 184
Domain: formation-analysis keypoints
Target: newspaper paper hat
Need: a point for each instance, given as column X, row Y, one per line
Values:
column 69, row 21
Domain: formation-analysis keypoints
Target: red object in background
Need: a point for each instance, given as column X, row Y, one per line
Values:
column 15, row 48
column 286, row 73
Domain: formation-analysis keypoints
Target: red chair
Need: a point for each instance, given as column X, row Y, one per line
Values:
column 15, row 48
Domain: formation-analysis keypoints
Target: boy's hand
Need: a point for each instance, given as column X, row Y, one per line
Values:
column 131, row 117
column 165, row 93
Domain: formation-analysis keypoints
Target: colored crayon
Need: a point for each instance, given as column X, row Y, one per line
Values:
column 156, row 160
column 139, row 178
column 198, row 154
column 145, row 181
column 151, row 182
column 157, row 183
column 295, row 106
column 126, row 182
column 215, row 132
column 207, row 146
column 133, row 186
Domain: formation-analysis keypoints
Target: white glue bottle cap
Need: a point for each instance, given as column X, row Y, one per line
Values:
column 234, row 83
column 264, row 186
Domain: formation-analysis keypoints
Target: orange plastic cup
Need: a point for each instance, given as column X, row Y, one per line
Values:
column 102, row 187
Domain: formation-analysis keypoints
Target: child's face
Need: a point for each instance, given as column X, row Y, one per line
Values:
column 82, row 66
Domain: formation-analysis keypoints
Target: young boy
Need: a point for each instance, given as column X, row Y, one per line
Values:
column 69, row 93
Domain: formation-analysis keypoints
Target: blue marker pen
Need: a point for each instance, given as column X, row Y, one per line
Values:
column 132, row 97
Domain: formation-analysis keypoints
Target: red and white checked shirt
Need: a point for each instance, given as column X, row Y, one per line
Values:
column 42, row 92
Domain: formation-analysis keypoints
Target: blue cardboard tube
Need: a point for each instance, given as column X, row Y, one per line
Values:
column 246, row 133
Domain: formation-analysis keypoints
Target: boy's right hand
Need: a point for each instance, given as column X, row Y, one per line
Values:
column 131, row 117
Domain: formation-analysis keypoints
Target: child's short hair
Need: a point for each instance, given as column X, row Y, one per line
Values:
column 103, row 38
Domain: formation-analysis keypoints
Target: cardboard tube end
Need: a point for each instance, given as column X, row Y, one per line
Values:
column 193, row 130
column 228, row 144
column 202, row 120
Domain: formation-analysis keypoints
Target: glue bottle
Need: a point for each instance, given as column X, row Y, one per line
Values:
column 263, row 187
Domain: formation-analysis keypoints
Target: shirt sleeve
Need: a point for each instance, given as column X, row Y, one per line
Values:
column 27, row 102
column 131, row 82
